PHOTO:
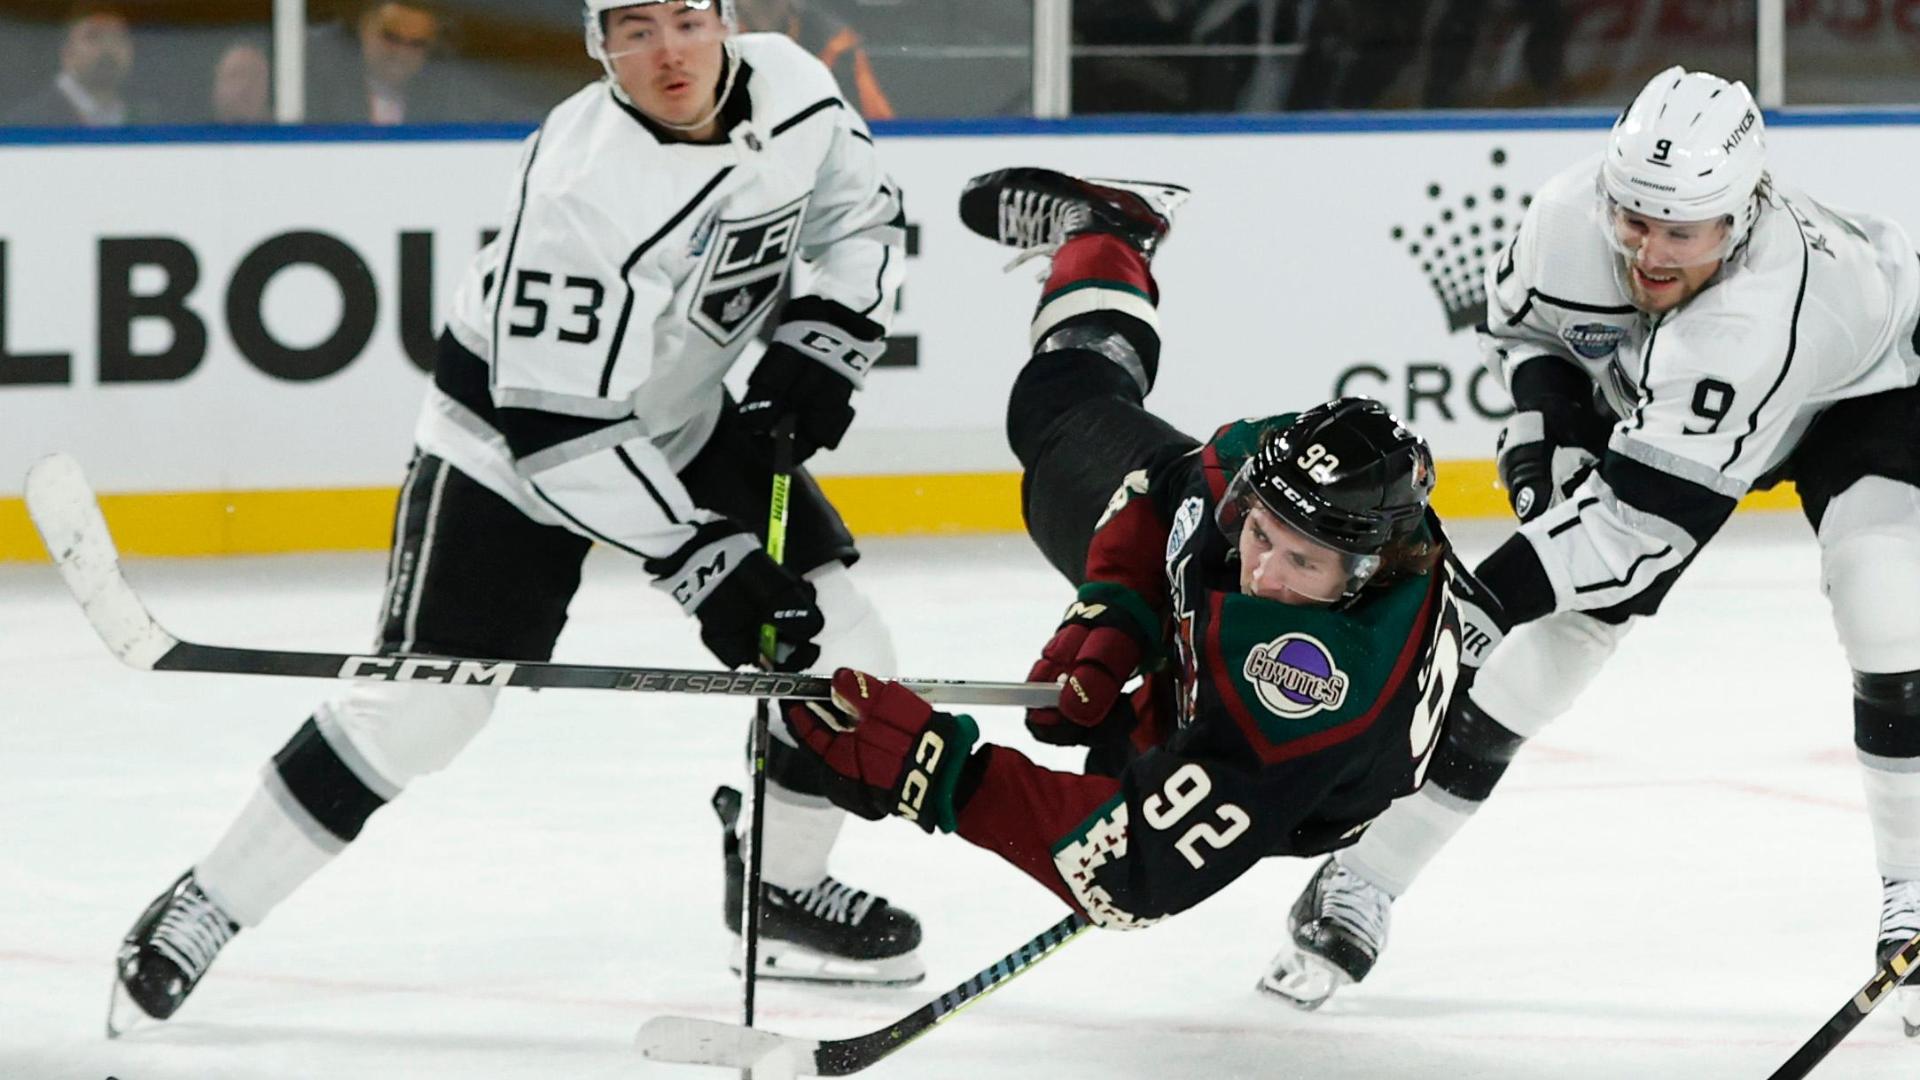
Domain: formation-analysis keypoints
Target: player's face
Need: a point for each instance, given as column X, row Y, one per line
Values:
column 395, row 40
column 1667, row 262
column 1277, row 562
column 668, row 58
column 99, row 53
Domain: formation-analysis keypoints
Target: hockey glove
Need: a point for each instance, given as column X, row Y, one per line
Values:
column 724, row 578
column 1553, row 439
column 819, row 356
column 886, row 750
column 1099, row 645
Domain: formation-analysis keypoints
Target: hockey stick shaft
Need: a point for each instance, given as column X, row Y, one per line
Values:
column 842, row 1057
column 705, row 1042
column 68, row 517
column 1891, row 971
column 762, row 721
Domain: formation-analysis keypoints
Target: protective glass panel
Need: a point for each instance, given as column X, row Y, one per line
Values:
column 1866, row 52
column 1279, row 55
column 112, row 65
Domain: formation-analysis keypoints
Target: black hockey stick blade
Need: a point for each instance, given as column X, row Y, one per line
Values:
column 1892, row 970
column 692, row 1041
column 65, row 511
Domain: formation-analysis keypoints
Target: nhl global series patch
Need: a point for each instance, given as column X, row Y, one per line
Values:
column 746, row 262
column 1295, row 676
column 1594, row 340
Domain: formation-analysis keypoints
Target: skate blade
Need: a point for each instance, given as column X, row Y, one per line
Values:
column 122, row 1014
column 1165, row 198
column 1302, row 980
column 1908, row 998
column 795, row 963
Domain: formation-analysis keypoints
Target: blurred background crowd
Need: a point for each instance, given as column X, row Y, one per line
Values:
column 116, row 62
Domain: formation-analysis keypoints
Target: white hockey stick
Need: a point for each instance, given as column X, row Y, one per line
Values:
column 67, row 514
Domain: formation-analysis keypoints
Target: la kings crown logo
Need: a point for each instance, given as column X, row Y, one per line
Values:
column 746, row 261
column 1455, row 243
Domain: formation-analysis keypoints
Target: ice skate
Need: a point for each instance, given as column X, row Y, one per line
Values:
column 829, row 932
column 1338, row 926
column 163, row 957
column 1899, row 923
column 1038, row 209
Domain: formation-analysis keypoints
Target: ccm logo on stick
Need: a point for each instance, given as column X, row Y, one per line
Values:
column 415, row 669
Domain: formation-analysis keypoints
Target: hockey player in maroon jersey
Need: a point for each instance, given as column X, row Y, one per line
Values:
column 1280, row 587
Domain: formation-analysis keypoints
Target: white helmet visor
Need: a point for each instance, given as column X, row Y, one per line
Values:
column 1656, row 243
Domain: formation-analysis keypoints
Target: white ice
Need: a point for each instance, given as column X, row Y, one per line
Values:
column 1675, row 881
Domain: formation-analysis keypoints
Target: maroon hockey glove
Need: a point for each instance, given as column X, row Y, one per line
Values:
column 1095, row 651
column 887, row 750
column 818, row 357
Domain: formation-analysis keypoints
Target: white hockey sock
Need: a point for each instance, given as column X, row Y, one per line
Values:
column 1893, row 806
column 268, row 852
column 800, row 833
column 1403, row 840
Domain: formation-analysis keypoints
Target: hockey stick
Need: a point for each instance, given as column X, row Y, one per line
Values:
column 67, row 515
column 691, row 1041
column 762, row 722
column 1893, row 969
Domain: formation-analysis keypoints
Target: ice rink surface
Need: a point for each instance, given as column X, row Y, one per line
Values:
column 1676, row 881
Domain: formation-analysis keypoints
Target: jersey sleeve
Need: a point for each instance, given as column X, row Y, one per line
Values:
column 1716, row 397
column 1516, row 330
column 853, row 242
column 1128, row 851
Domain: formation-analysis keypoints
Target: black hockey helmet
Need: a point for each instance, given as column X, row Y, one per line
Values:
column 1346, row 474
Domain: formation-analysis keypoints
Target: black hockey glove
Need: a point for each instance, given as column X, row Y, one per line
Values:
column 724, row 578
column 819, row 356
column 1554, row 438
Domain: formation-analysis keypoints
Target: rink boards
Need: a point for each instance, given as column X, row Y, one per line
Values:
column 231, row 332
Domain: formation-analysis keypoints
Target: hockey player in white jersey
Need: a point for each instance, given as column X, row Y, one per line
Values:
column 1676, row 330
column 651, row 224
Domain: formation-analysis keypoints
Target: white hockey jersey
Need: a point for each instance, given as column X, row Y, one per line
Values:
column 1817, row 307
column 630, row 274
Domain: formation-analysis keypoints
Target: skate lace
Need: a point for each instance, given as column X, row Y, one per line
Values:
column 1356, row 904
column 1900, row 909
column 831, row 900
column 191, row 932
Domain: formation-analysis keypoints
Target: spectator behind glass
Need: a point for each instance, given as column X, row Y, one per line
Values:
column 379, row 70
column 826, row 37
column 242, row 86
column 96, row 59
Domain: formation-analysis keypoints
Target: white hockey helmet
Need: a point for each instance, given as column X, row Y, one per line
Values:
column 1691, row 148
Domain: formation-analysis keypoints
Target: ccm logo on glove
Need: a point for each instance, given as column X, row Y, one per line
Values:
column 913, row 788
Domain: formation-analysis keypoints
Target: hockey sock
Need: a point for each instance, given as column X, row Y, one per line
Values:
column 1886, row 711
column 800, row 833
column 271, row 848
column 1100, row 297
column 1400, row 843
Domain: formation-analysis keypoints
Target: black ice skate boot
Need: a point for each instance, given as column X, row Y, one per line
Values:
column 1899, row 924
column 1338, row 926
column 827, row 933
column 1038, row 209
column 163, row 957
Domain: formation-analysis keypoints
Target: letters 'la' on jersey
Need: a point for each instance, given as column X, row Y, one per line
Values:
column 1818, row 306
column 1271, row 729
column 630, row 273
